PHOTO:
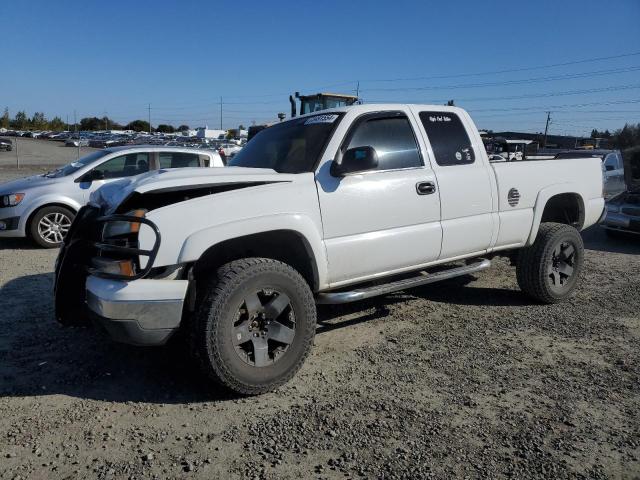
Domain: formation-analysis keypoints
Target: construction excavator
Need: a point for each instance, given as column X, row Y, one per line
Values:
column 320, row 101
column 309, row 104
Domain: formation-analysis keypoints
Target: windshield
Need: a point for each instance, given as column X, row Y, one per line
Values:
column 77, row 165
column 290, row 147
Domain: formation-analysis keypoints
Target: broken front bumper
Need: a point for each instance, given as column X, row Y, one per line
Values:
column 137, row 311
column 140, row 312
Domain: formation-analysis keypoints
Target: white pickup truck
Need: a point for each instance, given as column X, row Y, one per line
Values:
column 328, row 207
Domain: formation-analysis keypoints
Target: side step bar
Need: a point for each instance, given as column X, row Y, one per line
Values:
column 422, row 279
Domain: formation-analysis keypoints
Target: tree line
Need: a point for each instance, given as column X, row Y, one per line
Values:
column 623, row 138
column 38, row 121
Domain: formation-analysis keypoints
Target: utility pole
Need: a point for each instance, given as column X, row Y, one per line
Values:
column 358, row 89
column 106, row 121
column 149, row 109
column 546, row 129
column 220, row 113
column 67, row 122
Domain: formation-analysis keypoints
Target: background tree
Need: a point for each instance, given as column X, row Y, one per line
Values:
column 182, row 128
column 4, row 120
column 138, row 126
column 56, row 124
column 20, row 121
column 165, row 128
column 91, row 123
column 38, row 121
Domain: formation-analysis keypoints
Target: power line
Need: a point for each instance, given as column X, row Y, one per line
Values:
column 556, row 107
column 567, row 76
column 432, row 77
column 614, row 88
column 510, row 70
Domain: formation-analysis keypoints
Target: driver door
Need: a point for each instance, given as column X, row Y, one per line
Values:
column 115, row 168
column 386, row 219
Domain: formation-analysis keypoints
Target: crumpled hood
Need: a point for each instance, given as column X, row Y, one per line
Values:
column 113, row 194
column 26, row 183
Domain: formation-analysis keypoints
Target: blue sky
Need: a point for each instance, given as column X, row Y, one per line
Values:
column 182, row 56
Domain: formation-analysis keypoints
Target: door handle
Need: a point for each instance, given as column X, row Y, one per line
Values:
column 425, row 188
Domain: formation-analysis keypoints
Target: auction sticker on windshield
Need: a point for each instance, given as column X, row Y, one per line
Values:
column 330, row 118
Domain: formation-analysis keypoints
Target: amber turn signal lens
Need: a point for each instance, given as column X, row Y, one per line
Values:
column 126, row 268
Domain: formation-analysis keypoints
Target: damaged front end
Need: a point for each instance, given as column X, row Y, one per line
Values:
column 104, row 246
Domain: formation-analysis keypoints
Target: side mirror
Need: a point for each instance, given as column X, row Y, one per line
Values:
column 359, row 159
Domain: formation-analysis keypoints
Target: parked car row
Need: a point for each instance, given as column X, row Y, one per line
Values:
column 225, row 148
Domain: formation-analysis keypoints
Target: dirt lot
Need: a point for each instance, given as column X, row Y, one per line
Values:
column 467, row 378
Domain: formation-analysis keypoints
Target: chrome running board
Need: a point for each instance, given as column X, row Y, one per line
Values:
column 423, row 278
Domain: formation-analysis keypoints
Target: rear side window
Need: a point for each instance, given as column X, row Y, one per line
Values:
column 448, row 138
column 393, row 140
column 179, row 160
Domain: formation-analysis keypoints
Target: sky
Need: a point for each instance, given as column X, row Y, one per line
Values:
column 506, row 62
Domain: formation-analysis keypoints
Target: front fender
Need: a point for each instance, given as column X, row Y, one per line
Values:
column 197, row 243
column 543, row 197
column 44, row 201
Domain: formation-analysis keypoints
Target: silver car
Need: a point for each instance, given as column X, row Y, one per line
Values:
column 43, row 206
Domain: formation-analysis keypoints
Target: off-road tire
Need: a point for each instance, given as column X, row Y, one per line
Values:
column 38, row 216
column 533, row 263
column 212, row 326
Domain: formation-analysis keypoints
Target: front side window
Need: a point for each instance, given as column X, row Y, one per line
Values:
column 393, row 140
column 179, row 160
column 125, row 166
column 448, row 138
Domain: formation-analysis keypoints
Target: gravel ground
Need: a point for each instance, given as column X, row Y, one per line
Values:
column 36, row 152
column 466, row 378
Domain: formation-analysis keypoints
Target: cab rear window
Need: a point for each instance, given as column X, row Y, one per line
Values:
column 448, row 138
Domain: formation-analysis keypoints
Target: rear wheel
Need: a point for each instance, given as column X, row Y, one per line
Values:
column 50, row 225
column 255, row 326
column 549, row 269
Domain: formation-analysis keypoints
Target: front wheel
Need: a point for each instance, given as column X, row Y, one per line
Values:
column 549, row 269
column 50, row 225
column 255, row 326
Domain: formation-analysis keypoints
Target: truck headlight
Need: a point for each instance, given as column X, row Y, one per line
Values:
column 118, row 249
column 121, row 230
column 11, row 200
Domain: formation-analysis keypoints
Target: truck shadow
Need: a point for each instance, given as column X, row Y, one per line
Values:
column 596, row 238
column 456, row 291
column 18, row 244
column 40, row 357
